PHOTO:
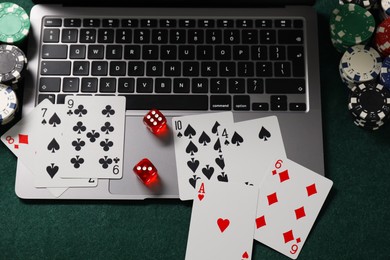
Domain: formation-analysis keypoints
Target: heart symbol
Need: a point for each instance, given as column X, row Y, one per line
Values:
column 223, row 224
column 200, row 196
column 245, row 255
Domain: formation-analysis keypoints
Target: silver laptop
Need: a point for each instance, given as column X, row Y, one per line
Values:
column 255, row 58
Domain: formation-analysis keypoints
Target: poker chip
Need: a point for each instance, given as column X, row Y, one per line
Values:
column 14, row 23
column 8, row 104
column 369, row 104
column 385, row 73
column 382, row 37
column 12, row 63
column 367, row 4
column 350, row 24
column 360, row 64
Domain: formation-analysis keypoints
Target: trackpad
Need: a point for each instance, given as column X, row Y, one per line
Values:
column 139, row 144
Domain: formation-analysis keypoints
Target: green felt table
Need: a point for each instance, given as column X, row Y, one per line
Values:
column 353, row 224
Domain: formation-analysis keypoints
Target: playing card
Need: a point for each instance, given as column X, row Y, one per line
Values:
column 198, row 148
column 222, row 223
column 252, row 145
column 290, row 199
column 94, row 134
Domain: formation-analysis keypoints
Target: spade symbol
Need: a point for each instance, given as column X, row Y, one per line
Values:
column 193, row 181
column 214, row 130
column 193, row 165
column 179, row 135
column 208, row 171
column 223, row 177
column 53, row 146
column 191, row 148
column 237, row 139
column 220, row 162
column 204, row 139
column 264, row 134
column 227, row 142
column 190, row 132
column 44, row 122
column 54, row 120
column 217, row 146
column 52, row 170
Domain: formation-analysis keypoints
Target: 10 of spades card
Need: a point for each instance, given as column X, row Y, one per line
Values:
column 198, row 148
column 222, row 223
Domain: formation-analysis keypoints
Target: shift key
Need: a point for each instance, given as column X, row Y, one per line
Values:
column 55, row 67
column 285, row 86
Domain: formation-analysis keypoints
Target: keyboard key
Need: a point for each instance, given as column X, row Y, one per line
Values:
column 278, row 103
column 77, row 51
column 204, row 52
column 107, row 85
column 105, row 36
column 168, row 52
column 283, row 23
column 54, row 51
column 187, row 23
column 227, row 69
column 149, row 22
column 95, row 51
column 186, row 52
column 226, row 23
column 53, row 22
column 264, row 69
column 91, row 23
column 154, row 68
column 241, row 102
column 263, row 23
column 240, row 52
column 160, row 36
column 236, row 86
column 232, row 36
column 61, row 98
column 126, row 85
column 144, row 85
column 87, row 35
column 206, row 23
column 49, row 84
column 277, row 52
column 296, row 55
column 55, row 68
column 163, row 85
column 214, row 36
column 177, row 36
column 223, row 52
column 285, row 86
column 220, row 102
column 209, row 69
column 244, row 23
column 168, row 23
column 114, row 52
column 132, row 52
column 282, row 69
column 123, row 36
column 136, row 69
column 50, row 97
column 81, row 68
column 297, row 107
column 181, row 85
column 290, row 36
column 267, row 36
column 245, row 69
column 167, row 102
column 72, row 22
column 89, row 85
column 150, row 52
column 199, row 85
column 118, row 68
column 70, row 85
column 110, row 22
column 51, row 35
column 129, row 23
column 195, row 36
column 69, row 35
column 191, row 69
column 260, row 106
column 218, row 85
column 250, row 36
column 172, row 69
column 99, row 68
column 255, row 86
column 298, row 23
column 141, row 36
column 259, row 53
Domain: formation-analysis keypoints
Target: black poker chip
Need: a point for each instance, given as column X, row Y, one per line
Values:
column 12, row 63
column 369, row 103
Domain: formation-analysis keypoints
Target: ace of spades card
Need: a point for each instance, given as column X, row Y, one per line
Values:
column 290, row 198
column 94, row 137
column 253, row 144
column 198, row 149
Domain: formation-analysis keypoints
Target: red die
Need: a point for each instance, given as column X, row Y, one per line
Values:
column 145, row 171
column 155, row 122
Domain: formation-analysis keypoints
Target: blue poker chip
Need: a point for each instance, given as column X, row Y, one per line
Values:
column 385, row 73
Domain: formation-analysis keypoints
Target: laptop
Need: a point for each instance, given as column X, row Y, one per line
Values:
column 254, row 58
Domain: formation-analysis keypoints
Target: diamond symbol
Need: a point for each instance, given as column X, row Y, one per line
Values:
column 260, row 222
column 23, row 139
column 300, row 212
column 288, row 236
column 283, row 176
column 311, row 189
column 272, row 198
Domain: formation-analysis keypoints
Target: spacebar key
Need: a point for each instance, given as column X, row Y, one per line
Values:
column 167, row 102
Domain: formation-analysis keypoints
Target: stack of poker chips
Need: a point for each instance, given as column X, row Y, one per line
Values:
column 367, row 4
column 14, row 28
column 385, row 73
column 350, row 24
column 369, row 104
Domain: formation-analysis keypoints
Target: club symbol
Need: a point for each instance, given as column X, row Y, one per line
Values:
column 80, row 111
column 107, row 128
column 78, row 144
column 92, row 136
column 106, row 144
column 79, row 127
column 105, row 162
column 69, row 112
column 77, row 162
column 116, row 159
column 108, row 111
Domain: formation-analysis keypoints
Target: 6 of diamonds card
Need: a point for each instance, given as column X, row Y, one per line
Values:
column 290, row 199
column 198, row 149
column 94, row 135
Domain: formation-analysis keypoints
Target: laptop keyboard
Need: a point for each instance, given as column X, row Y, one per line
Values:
column 176, row 64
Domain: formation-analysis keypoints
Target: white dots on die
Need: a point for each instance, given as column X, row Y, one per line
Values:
column 144, row 168
column 154, row 123
column 138, row 168
column 150, row 168
column 148, row 116
column 153, row 112
column 159, row 119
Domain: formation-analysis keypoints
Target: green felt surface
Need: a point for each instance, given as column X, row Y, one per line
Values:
column 353, row 224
